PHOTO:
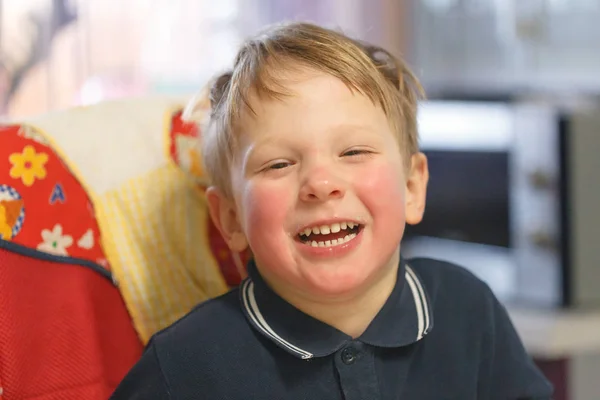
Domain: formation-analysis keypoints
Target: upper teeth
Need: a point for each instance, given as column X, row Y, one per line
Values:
column 327, row 229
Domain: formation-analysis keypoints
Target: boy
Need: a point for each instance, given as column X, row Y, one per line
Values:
column 313, row 155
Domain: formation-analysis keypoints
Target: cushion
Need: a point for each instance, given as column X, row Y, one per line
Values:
column 140, row 165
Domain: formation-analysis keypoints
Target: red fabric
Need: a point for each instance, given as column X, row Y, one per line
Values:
column 65, row 333
column 557, row 372
column 42, row 205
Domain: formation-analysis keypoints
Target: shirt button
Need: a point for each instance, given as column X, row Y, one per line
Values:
column 349, row 355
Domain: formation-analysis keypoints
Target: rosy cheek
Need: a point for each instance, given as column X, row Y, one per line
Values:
column 265, row 207
column 383, row 183
column 382, row 191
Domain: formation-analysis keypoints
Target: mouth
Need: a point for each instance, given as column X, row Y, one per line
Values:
column 330, row 235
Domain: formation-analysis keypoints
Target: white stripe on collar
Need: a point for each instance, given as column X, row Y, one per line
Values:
column 259, row 320
column 421, row 306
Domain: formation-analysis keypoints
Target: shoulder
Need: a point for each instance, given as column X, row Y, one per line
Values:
column 218, row 323
column 455, row 294
column 212, row 341
column 445, row 279
column 473, row 326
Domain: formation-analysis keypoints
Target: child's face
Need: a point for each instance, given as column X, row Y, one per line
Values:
column 323, row 157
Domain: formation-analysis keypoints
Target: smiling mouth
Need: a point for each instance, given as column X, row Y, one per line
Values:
column 330, row 235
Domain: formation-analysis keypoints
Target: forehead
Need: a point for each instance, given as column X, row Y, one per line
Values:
column 309, row 100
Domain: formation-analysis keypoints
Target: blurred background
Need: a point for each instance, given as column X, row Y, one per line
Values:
column 511, row 126
column 56, row 53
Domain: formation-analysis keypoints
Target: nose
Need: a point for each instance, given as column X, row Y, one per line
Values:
column 321, row 185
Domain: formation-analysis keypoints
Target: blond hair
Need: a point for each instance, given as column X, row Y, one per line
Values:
column 370, row 70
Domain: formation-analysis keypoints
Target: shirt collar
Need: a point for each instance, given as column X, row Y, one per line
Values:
column 405, row 318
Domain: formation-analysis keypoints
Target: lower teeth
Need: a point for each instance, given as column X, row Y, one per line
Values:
column 334, row 242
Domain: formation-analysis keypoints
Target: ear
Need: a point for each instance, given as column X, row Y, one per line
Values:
column 224, row 215
column 416, row 189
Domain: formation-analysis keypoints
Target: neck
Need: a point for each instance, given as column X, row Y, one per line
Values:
column 352, row 313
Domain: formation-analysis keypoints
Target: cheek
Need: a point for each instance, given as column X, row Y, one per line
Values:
column 266, row 207
column 382, row 192
column 382, row 189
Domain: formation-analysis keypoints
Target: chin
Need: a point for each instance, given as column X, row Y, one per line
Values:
column 336, row 284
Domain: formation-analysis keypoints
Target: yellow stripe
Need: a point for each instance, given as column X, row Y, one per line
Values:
column 165, row 266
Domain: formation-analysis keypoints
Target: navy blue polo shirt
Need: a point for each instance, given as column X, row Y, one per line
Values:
column 251, row 344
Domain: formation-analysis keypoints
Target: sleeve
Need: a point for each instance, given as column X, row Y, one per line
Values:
column 145, row 381
column 508, row 372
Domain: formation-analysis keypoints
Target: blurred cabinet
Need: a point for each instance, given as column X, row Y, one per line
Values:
column 507, row 44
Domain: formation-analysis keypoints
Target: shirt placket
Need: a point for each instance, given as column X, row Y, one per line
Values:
column 355, row 364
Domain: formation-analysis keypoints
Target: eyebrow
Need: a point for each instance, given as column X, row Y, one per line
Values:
column 263, row 142
column 289, row 139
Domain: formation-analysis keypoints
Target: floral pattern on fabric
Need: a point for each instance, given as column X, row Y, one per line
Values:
column 55, row 242
column 28, row 165
column 42, row 205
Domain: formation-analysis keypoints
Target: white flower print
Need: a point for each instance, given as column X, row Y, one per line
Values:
column 29, row 132
column 55, row 242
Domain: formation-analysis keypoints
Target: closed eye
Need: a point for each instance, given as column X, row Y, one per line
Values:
column 279, row 165
column 355, row 152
